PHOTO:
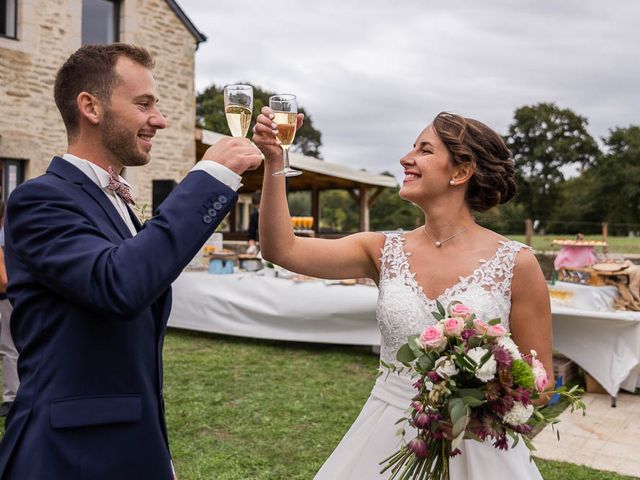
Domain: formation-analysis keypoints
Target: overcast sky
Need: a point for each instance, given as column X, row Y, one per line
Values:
column 372, row 74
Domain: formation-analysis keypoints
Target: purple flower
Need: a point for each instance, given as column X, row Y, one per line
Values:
column 523, row 428
column 433, row 376
column 417, row 406
column 501, row 442
column 467, row 334
column 418, row 384
column 422, row 420
column 455, row 452
column 502, row 356
column 419, row 448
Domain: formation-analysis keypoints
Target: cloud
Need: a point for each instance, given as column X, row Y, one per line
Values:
column 373, row 74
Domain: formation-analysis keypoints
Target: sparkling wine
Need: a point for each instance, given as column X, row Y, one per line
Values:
column 286, row 127
column 238, row 119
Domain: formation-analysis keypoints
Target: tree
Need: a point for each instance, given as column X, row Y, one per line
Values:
column 545, row 140
column 390, row 212
column 210, row 115
column 617, row 175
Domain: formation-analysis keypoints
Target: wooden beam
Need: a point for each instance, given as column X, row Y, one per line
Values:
column 364, row 208
column 375, row 195
column 315, row 207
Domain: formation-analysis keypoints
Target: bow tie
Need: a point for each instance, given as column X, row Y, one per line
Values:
column 118, row 187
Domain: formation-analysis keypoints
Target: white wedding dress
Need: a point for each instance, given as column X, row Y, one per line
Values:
column 403, row 310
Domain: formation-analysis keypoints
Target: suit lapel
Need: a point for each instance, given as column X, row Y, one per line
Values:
column 134, row 219
column 64, row 169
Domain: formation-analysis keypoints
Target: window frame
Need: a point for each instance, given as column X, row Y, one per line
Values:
column 15, row 20
column 116, row 22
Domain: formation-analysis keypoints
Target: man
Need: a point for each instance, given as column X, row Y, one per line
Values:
column 8, row 350
column 90, row 285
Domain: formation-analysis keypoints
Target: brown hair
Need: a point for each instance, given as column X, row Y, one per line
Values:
column 92, row 69
column 470, row 141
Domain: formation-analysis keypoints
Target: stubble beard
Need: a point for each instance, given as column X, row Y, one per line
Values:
column 122, row 143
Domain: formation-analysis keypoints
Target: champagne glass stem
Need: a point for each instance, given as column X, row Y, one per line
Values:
column 285, row 157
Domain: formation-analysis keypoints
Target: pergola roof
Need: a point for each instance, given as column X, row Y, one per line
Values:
column 317, row 173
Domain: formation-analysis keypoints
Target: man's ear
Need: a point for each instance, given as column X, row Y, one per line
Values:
column 89, row 107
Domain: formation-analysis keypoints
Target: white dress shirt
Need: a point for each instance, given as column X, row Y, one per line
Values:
column 101, row 178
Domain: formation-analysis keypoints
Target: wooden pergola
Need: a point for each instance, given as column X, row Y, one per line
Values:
column 318, row 175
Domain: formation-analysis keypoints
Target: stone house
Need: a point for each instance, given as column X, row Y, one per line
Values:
column 36, row 37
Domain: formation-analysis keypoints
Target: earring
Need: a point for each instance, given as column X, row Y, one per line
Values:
column 451, row 182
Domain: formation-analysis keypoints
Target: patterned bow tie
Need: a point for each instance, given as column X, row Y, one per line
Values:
column 118, row 187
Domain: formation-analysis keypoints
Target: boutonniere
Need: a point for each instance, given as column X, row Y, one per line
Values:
column 142, row 213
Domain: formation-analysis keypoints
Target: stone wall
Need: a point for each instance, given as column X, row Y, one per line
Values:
column 48, row 32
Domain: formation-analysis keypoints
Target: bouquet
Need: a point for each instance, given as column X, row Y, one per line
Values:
column 472, row 382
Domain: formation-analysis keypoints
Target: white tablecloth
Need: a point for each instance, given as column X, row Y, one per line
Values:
column 249, row 305
column 604, row 342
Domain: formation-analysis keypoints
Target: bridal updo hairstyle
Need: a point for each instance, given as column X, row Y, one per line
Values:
column 470, row 141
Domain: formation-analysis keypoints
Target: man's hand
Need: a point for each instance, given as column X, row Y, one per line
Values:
column 264, row 133
column 237, row 154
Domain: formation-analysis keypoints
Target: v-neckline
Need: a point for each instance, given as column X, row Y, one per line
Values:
column 462, row 279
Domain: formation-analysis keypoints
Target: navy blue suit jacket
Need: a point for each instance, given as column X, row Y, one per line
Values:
column 91, row 304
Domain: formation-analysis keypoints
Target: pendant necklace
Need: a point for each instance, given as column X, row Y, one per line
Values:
column 439, row 243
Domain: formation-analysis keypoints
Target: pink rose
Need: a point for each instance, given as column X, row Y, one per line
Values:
column 432, row 338
column 480, row 326
column 460, row 310
column 540, row 374
column 453, row 326
column 497, row 331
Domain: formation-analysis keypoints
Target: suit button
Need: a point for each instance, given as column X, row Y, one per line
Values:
column 206, row 219
column 222, row 199
column 217, row 206
column 212, row 212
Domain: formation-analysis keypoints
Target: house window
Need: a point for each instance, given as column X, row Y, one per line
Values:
column 12, row 175
column 100, row 22
column 8, row 18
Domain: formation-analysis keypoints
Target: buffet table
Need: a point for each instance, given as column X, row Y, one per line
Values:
column 604, row 343
column 252, row 305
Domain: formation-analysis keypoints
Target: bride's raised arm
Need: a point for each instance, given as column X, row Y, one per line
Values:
column 353, row 256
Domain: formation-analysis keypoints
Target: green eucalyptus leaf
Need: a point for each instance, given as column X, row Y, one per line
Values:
column 473, row 402
column 426, row 363
column 405, row 354
column 494, row 321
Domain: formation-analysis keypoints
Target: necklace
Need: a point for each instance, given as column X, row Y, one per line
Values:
column 439, row 243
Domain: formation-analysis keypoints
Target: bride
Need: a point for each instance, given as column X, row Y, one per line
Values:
column 457, row 166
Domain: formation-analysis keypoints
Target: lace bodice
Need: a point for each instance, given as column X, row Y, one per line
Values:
column 403, row 309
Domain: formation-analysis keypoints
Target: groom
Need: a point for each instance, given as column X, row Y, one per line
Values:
column 90, row 286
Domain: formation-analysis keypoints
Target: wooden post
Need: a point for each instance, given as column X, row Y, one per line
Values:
column 315, row 208
column 528, row 231
column 605, row 235
column 364, row 208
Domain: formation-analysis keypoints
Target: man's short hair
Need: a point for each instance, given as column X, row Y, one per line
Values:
column 91, row 69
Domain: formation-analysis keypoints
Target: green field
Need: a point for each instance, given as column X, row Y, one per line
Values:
column 247, row 409
column 619, row 245
column 242, row 409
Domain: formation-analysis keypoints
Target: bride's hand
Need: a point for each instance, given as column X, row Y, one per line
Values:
column 264, row 133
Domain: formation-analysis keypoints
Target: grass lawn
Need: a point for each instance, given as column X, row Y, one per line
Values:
column 248, row 409
column 615, row 244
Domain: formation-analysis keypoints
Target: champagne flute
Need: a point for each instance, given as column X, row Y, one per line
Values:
column 238, row 107
column 285, row 109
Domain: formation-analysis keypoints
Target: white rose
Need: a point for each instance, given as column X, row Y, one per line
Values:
column 428, row 385
column 487, row 371
column 445, row 367
column 519, row 414
column 510, row 346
